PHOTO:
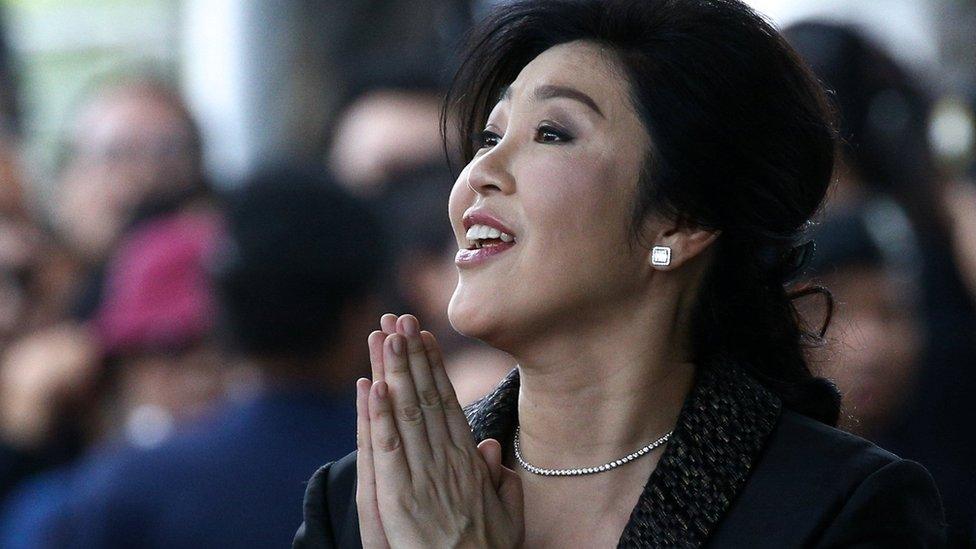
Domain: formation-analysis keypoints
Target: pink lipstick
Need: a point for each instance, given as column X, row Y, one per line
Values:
column 486, row 236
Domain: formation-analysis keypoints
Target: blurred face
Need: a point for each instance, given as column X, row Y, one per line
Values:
column 542, row 213
column 873, row 347
column 137, row 140
column 127, row 147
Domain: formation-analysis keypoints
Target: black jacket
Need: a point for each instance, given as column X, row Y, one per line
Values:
column 739, row 471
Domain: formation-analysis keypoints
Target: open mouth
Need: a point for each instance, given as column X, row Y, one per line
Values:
column 484, row 236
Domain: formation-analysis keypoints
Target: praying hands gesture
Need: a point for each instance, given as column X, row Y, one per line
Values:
column 422, row 482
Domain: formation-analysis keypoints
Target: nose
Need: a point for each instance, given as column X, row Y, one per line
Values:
column 491, row 173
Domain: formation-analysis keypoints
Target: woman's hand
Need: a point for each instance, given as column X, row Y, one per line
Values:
column 422, row 482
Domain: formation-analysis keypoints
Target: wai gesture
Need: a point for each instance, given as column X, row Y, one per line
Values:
column 422, row 482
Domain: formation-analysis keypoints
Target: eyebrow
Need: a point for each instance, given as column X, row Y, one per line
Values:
column 550, row 91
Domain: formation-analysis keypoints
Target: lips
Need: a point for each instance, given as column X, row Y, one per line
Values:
column 486, row 237
column 465, row 258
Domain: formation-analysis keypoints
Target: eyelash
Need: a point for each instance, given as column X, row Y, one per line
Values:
column 485, row 137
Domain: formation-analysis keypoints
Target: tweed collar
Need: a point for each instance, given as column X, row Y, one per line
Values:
column 719, row 436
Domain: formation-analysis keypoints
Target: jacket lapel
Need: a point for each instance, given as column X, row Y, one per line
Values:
column 496, row 415
column 719, row 436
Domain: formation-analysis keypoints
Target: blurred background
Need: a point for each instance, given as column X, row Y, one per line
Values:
column 205, row 205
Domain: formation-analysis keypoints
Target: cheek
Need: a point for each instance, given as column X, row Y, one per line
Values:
column 586, row 202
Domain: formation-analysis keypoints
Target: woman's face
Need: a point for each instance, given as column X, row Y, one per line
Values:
column 557, row 173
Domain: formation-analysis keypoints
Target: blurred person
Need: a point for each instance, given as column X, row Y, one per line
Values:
column 295, row 277
column 362, row 154
column 133, row 155
column 45, row 364
column 639, row 178
column 874, row 344
column 34, row 289
column 884, row 112
column 36, row 273
column 48, row 380
column 146, row 354
column 155, row 326
column 133, row 151
column 423, row 249
column 130, row 142
column 145, row 363
column 392, row 61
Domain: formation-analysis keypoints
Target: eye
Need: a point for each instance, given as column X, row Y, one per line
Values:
column 550, row 134
column 487, row 138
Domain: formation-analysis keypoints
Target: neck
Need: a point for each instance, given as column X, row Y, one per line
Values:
column 596, row 391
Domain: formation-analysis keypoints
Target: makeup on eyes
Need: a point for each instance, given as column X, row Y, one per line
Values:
column 485, row 138
column 557, row 132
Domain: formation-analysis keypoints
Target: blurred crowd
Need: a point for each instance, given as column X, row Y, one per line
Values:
column 176, row 361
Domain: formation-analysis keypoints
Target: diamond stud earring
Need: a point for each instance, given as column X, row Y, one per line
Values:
column 661, row 256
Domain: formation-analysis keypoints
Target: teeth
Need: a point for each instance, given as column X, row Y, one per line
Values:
column 477, row 233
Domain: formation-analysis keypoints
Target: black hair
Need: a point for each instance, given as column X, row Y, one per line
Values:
column 742, row 141
column 298, row 251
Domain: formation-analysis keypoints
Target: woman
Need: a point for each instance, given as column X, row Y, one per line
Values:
column 640, row 173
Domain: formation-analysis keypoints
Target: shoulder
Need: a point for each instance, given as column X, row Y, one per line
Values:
column 832, row 488
column 821, row 449
column 329, row 509
column 70, row 506
column 118, row 484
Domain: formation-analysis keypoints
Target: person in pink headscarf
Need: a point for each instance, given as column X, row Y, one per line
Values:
column 155, row 325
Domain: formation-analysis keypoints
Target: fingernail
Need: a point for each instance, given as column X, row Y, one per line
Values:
column 397, row 344
column 381, row 389
column 411, row 326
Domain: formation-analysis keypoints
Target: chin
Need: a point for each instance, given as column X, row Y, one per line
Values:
column 476, row 314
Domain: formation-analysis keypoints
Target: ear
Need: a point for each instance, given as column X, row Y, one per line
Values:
column 684, row 240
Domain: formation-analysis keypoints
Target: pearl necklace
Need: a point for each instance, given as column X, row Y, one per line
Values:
column 585, row 470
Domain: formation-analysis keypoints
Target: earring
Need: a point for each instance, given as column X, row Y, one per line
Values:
column 661, row 256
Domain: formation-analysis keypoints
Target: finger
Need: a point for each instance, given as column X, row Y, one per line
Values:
column 491, row 452
column 390, row 466
column 457, row 423
column 388, row 323
column 510, row 492
column 370, row 526
column 375, row 342
column 428, row 396
column 408, row 417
